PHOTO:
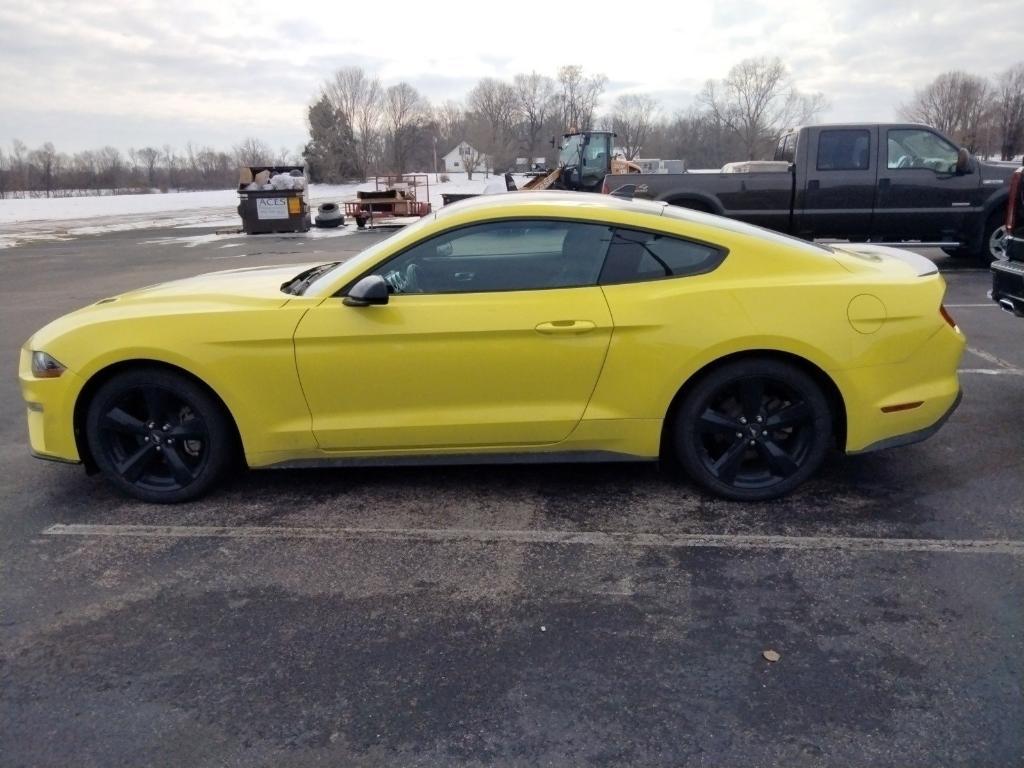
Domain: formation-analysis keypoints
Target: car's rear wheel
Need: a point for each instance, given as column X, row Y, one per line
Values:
column 753, row 429
column 159, row 436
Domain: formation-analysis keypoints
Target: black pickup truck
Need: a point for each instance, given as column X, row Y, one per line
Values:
column 1008, row 275
column 887, row 183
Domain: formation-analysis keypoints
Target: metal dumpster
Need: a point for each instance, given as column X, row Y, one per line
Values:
column 265, row 208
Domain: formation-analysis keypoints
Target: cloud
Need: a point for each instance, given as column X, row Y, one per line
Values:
column 131, row 73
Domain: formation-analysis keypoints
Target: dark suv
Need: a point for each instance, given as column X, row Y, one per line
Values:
column 1008, row 275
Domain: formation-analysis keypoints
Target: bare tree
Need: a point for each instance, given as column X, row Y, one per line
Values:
column 1009, row 111
column 110, row 168
column 631, row 118
column 494, row 102
column 149, row 157
column 450, row 120
column 535, row 96
column 405, row 111
column 955, row 103
column 757, row 100
column 477, row 134
column 358, row 98
column 47, row 161
column 251, row 151
column 579, row 95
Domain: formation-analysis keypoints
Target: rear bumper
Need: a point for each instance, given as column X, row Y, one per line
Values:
column 904, row 402
column 912, row 437
column 1008, row 280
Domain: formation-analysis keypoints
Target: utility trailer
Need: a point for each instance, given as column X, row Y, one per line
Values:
column 393, row 197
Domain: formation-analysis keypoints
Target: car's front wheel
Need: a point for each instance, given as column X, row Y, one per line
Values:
column 159, row 436
column 753, row 429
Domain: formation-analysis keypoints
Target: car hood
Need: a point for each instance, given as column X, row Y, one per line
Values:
column 251, row 287
column 245, row 283
column 993, row 174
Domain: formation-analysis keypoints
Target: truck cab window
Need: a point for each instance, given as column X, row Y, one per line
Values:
column 916, row 148
column 844, row 150
column 786, row 150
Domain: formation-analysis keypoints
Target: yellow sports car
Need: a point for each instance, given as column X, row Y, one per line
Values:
column 514, row 327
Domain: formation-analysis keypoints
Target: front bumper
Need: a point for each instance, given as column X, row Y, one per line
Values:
column 50, row 408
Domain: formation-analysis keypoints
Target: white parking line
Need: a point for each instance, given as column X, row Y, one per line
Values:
column 993, row 371
column 588, row 538
column 989, row 357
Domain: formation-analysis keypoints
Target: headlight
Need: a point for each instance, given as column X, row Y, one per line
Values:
column 45, row 367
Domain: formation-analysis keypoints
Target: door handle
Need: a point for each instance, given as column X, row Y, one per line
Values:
column 566, row 326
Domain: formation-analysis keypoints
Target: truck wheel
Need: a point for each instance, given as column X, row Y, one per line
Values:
column 993, row 240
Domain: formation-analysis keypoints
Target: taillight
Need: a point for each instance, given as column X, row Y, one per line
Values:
column 946, row 316
column 1016, row 201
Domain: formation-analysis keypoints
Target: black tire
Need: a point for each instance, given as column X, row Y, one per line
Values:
column 723, row 432
column 158, row 436
column 988, row 251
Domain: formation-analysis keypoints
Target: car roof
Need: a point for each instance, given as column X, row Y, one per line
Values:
column 526, row 198
column 504, row 204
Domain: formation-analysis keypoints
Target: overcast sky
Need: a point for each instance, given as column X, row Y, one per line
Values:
column 86, row 74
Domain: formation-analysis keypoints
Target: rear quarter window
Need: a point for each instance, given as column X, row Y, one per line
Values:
column 637, row 256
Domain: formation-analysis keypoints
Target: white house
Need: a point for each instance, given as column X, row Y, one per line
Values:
column 462, row 156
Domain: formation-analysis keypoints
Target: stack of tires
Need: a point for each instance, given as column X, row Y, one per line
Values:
column 329, row 215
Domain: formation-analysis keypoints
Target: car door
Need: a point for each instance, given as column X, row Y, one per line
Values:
column 494, row 336
column 920, row 194
column 839, row 191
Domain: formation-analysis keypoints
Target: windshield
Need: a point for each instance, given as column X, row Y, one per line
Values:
column 324, row 278
column 569, row 154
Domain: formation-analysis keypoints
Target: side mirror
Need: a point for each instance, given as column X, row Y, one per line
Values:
column 963, row 161
column 370, row 290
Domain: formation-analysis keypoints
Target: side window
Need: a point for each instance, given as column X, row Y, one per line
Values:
column 915, row 148
column 635, row 256
column 780, row 148
column 789, row 148
column 517, row 255
column 844, row 150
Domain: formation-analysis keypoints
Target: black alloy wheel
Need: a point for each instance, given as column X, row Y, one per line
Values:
column 158, row 436
column 753, row 430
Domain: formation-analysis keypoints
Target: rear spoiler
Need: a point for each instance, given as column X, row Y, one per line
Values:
column 922, row 266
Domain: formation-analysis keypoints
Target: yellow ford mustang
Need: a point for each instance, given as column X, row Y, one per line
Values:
column 533, row 326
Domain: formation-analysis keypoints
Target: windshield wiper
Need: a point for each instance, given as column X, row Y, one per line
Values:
column 301, row 281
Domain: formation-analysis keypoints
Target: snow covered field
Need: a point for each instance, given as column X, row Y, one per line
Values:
column 33, row 220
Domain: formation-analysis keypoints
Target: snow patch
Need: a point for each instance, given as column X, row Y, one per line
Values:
column 25, row 221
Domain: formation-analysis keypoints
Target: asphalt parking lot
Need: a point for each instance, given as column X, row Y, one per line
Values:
column 591, row 614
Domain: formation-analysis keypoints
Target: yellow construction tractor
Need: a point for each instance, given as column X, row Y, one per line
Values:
column 584, row 159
